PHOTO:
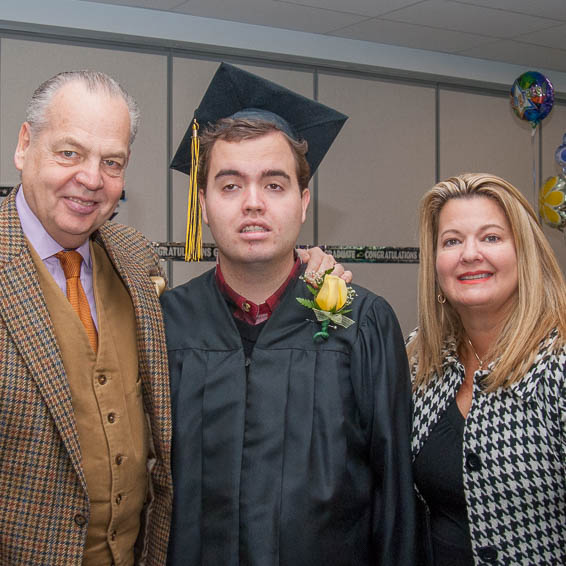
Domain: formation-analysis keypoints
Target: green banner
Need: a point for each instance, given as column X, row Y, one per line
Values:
column 344, row 254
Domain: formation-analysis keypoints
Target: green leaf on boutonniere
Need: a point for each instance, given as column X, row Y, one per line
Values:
column 306, row 303
column 312, row 289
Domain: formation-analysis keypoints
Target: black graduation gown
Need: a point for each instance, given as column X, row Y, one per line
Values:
column 298, row 456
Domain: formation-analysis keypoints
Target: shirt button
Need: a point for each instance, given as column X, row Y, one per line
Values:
column 119, row 459
column 102, row 379
column 246, row 307
column 80, row 520
column 473, row 462
column 119, row 499
column 113, row 535
column 488, row 554
column 111, row 417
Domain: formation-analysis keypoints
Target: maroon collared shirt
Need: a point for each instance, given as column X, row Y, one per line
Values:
column 248, row 311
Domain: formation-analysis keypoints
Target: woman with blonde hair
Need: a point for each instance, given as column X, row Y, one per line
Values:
column 489, row 365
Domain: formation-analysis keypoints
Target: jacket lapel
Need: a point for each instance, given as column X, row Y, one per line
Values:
column 430, row 401
column 25, row 314
column 137, row 283
column 150, row 332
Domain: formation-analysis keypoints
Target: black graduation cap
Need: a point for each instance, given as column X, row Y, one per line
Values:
column 234, row 92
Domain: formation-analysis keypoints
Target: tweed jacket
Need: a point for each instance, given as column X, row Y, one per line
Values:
column 514, row 459
column 44, row 504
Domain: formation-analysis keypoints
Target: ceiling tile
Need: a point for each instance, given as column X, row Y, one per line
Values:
column 369, row 8
column 553, row 9
column 520, row 54
column 471, row 19
column 271, row 13
column 554, row 37
column 164, row 5
column 532, row 33
column 409, row 35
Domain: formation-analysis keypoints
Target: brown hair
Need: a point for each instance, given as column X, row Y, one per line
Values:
column 239, row 129
column 540, row 303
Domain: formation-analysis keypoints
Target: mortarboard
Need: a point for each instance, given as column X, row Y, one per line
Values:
column 236, row 93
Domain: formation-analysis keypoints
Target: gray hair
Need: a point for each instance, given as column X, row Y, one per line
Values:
column 93, row 81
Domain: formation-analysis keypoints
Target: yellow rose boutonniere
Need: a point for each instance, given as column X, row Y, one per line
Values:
column 331, row 297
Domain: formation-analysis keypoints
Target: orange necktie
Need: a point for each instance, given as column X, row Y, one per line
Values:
column 71, row 263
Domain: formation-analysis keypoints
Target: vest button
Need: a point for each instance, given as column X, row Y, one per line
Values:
column 473, row 462
column 111, row 417
column 80, row 520
column 119, row 459
column 488, row 554
column 113, row 535
column 102, row 379
column 119, row 499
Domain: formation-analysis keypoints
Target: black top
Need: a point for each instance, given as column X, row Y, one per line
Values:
column 299, row 458
column 439, row 478
column 249, row 333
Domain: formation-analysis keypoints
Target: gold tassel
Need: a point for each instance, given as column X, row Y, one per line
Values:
column 193, row 238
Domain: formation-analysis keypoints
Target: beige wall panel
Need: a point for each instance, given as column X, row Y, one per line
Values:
column 25, row 64
column 190, row 81
column 373, row 177
column 482, row 134
column 396, row 283
column 553, row 130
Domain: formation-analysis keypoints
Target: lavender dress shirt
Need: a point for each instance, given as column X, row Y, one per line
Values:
column 46, row 247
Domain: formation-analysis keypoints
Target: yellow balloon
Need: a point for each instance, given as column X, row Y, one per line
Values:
column 552, row 202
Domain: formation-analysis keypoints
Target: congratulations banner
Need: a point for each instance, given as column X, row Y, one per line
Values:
column 343, row 254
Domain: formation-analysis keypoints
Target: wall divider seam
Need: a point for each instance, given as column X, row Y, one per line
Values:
column 437, row 134
column 315, row 177
column 539, row 159
column 1, row 40
column 169, row 186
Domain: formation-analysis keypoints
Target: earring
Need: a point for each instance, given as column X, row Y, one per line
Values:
column 441, row 298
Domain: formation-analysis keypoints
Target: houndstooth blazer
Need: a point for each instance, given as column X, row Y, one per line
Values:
column 514, row 458
column 43, row 497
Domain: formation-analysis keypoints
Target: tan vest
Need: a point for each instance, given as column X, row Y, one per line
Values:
column 108, row 407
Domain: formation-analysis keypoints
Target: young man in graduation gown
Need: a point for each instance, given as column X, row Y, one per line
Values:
column 286, row 451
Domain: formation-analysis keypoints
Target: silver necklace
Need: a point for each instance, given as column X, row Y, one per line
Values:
column 480, row 361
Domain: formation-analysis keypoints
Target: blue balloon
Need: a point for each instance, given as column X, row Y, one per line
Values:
column 532, row 97
column 560, row 155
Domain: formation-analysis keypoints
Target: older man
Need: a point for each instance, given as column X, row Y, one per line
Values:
column 85, row 420
column 287, row 450
column 84, row 399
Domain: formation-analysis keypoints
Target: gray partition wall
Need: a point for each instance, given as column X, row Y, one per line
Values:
column 402, row 135
column 373, row 177
column 24, row 64
column 553, row 131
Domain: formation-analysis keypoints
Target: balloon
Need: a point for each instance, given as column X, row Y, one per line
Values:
column 552, row 202
column 560, row 155
column 532, row 97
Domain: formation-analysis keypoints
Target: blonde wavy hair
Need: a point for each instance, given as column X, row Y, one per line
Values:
column 540, row 302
